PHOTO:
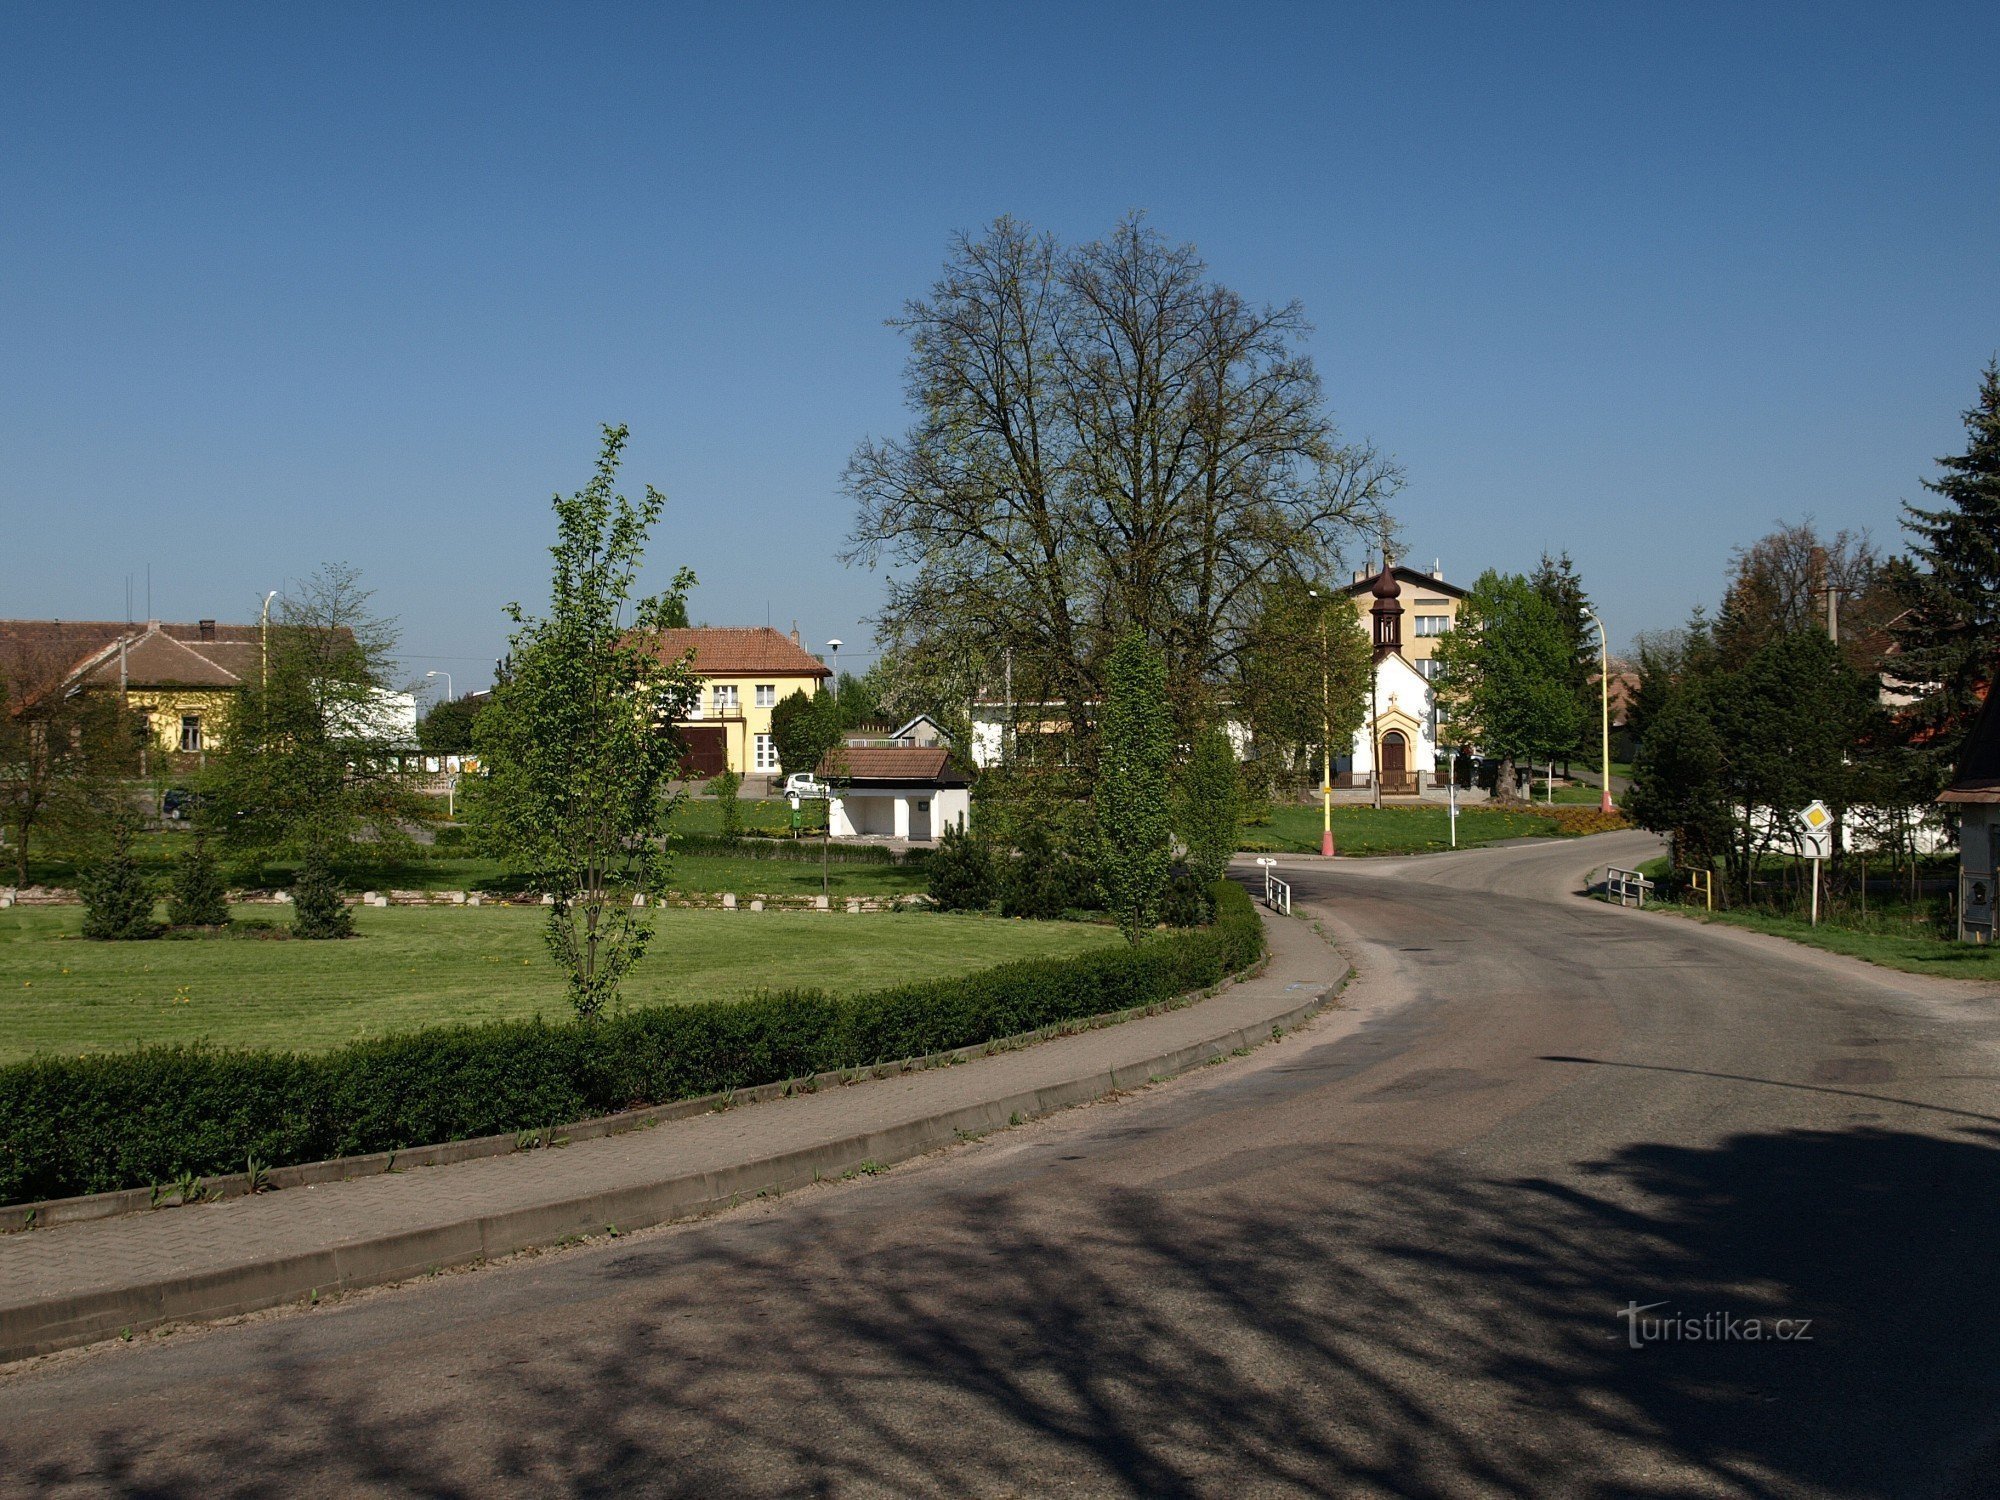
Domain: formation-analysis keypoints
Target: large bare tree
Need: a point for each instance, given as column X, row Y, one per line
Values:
column 62, row 749
column 1105, row 439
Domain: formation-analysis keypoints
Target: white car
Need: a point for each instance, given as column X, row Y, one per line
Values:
column 803, row 784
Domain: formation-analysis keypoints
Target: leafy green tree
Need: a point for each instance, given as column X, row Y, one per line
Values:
column 960, row 872
column 117, row 898
column 1210, row 804
column 61, row 752
column 196, row 897
column 318, row 910
column 310, row 756
column 1505, row 676
column 804, row 727
column 1307, row 667
column 1947, row 642
column 1102, row 436
column 1679, row 785
column 1794, row 579
column 1557, row 581
column 578, row 743
column 447, row 728
column 1134, row 818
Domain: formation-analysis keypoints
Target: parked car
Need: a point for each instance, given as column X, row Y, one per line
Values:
column 803, row 785
column 179, row 804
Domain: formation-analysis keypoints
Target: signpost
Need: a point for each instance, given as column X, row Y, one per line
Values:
column 1816, row 838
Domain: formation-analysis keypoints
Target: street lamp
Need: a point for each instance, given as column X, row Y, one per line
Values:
column 1325, row 740
column 1603, row 705
column 264, row 641
column 833, row 645
column 447, row 683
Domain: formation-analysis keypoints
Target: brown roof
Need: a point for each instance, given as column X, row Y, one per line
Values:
column 157, row 654
column 733, row 651
column 930, row 764
column 1978, row 778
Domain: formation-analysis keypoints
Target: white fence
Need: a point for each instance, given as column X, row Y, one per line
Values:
column 1626, row 887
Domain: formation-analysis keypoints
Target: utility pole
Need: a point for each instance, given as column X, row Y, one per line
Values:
column 1325, row 739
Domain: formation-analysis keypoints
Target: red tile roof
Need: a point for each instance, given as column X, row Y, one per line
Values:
column 930, row 764
column 732, row 651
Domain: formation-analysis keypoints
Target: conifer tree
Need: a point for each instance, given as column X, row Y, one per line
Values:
column 117, row 899
column 1947, row 638
column 317, row 909
column 196, row 898
column 1135, row 744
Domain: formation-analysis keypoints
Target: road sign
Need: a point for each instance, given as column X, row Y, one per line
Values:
column 1816, row 819
column 1817, row 845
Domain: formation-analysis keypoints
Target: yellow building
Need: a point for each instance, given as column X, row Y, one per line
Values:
column 180, row 680
column 744, row 674
column 1430, row 610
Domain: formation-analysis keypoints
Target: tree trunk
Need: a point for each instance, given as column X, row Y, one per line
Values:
column 1503, row 781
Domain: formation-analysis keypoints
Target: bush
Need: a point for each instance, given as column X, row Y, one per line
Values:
column 1187, row 903
column 317, row 909
column 72, row 1125
column 726, row 787
column 117, row 899
column 961, row 872
column 196, row 897
column 1574, row 819
column 1039, row 881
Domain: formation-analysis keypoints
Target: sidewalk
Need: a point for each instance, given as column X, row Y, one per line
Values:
column 77, row 1283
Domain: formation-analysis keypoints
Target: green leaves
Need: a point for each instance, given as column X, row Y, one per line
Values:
column 1133, row 815
column 578, row 741
column 1506, row 674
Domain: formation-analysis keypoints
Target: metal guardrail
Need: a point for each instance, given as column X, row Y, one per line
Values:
column 1628, row 887
column 1277, row 893
column 1702, row 883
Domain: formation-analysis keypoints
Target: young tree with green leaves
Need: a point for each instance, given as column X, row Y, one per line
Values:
column 804, row 727
column 1557, row 581
column 578, row 743
column 1947, row 641
column 1305, row 674
column 1679, row 780
column 447, row 728
column 1210, row 802
column 1134, row 814
column 1505, row 676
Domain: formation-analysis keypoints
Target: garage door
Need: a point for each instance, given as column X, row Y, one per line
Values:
column 708, row 750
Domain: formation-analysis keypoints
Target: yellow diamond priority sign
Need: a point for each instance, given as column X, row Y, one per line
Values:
column 1815, row 818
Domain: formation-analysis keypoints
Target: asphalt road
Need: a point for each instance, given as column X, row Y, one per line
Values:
column 1386, row 1255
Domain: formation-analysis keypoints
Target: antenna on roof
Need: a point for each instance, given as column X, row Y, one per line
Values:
column 149, row 591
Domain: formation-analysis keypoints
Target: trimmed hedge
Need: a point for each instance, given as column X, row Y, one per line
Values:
column 72, row 1125
column 753, row 845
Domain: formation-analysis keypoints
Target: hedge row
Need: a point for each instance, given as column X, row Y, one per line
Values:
column 753, row 845
column 95, row 1123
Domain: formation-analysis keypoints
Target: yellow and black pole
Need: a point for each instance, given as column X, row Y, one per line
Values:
column 1603, row 708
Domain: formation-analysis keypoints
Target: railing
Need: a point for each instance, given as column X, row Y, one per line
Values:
column 1628, row 887
column 1277, row 893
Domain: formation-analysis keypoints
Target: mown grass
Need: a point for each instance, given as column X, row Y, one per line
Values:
column 1389, row 830
column 418, row 966
column 1916, row 952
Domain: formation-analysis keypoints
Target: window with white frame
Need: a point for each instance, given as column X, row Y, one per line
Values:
column 767, row 694
column 765, row 752
column 191, row 733
column 726, row 700
column 1433, row 624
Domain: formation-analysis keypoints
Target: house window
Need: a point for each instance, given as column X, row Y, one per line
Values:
column 726, row 700
column 766, row 752
column 1433, row 624
column 767, row 694
column 190, row 733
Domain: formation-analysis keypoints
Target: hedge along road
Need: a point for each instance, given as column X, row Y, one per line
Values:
column 1388, row 1256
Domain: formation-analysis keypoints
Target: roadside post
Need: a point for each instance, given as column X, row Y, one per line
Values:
column 1451, row 795
column 1816, row 830
column 798, row 820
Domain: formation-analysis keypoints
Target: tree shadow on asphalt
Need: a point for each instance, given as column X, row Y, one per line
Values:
column 1427, row 1336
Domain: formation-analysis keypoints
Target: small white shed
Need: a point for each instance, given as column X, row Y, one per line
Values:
column 1975, row 792
column 895, row 791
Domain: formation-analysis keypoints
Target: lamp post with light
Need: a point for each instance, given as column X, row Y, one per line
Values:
column 1603, row 706
column 1325, row 739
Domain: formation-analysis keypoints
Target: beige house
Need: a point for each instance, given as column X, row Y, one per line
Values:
column 744, row 673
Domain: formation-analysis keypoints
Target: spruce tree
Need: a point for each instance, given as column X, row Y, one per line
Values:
column 117, row 899
column 1948, row 634
column 196, row 898
column 961, row 872
column 317, row 910
column 1133, row 812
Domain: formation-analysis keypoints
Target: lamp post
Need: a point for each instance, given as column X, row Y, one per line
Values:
column 264, row 642
column 1603, row 706
column 1325, row 740
column 833, row 646
column 447, row 683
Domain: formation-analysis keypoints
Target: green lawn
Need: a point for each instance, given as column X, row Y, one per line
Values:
column 417, row 966
column 1389, row 830
column 1916, row 953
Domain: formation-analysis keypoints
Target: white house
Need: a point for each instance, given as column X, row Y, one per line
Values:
column 1399, row 731
column 896, row 791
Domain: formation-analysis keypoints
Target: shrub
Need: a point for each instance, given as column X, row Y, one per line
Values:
column 1042, row 881
column 196, row 897
column 1207, row 805
column 726, row 787
column 73, row 1125
column 317, row 909
column 117, row 899
column 1573, row 819
column 961, row 872
column 1187, row 903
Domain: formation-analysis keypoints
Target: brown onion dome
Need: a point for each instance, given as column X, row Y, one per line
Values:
column 1386, row 586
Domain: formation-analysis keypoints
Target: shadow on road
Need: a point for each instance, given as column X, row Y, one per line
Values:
column 1435, row 1336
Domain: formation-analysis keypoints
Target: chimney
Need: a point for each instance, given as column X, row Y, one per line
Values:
column 206, row 629
column 795, row 632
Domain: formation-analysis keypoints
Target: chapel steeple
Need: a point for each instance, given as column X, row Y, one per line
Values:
column 1388, row 609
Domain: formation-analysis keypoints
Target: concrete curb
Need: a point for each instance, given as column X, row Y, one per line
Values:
column 58, row 1323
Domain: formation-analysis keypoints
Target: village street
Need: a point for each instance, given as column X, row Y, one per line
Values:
column 1388, row 1254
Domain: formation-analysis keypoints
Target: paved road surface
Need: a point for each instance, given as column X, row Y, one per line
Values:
column 1384, row 1257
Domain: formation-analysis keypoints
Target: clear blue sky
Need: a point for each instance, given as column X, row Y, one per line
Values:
column 281, row 285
